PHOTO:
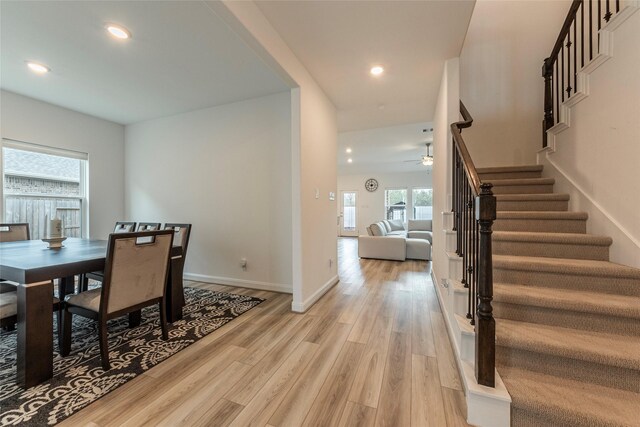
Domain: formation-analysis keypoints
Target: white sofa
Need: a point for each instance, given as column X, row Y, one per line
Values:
column 389, row 240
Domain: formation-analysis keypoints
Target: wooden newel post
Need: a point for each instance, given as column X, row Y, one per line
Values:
column 547, row 122
column 485, row 324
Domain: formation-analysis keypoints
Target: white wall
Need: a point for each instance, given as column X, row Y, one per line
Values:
column 314, row 155
column 226, row 170
column 500, row 77
column 447, row 112
column 597, row 156
column 370, row 205
column 28, row 120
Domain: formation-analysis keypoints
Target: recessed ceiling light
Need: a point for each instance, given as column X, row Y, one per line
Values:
column 38, row 68
column 118, row 31
column 377, row 70
column 348, row 150
column 349, row 160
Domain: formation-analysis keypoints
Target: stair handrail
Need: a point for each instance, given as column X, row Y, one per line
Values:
column 474, row 208
column 558, row 66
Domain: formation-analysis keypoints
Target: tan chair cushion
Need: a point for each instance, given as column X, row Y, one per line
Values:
column 13, row 232
column 89, row 300
column 8, row 304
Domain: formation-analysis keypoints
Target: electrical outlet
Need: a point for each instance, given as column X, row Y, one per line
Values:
column 243, row 263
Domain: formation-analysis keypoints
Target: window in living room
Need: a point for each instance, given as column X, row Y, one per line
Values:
column 395, row 204
column 41, row 182
column 422, row 200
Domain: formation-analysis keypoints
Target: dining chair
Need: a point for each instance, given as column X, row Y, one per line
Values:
column 14, row 232
column 98, row 276
column 124, row 227
column 181, row 234
column 135, row 277
column 148, row 226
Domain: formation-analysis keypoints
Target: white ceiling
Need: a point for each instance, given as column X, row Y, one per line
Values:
column 385, row 150
column 181, row 57
column 339, row 41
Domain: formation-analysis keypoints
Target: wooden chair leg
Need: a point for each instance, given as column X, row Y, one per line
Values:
column 65, row 339
column 104, row 345
column 163, row 319
column 84, row 283
column 134, row 318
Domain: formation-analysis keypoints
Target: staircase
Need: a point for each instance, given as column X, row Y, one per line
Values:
column 567, row 319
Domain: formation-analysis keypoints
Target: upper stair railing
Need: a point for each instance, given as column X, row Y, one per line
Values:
column 474, row 208
column 577, row 44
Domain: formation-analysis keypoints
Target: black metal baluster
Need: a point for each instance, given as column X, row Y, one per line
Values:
column 575, row 56
column 590, row 30
column 599, row 23
column 617, row 6
column 608, row 15
column 557, row 93
column 569, row 64
column 582, row 35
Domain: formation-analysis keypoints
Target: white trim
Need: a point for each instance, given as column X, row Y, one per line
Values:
column 597, row 205
column 44, row 149
column 229, row 281
column 605, row 52
column 306, row 305
column 486, row 406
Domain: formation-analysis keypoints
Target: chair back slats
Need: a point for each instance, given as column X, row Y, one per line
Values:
column 14, row 232
column 136, row 268
column 124, row 227
column 182, row 232
column 148, row 226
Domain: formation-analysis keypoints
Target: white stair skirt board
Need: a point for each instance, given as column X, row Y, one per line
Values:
column 486, row 406
column 582, row 91
column 229, row 281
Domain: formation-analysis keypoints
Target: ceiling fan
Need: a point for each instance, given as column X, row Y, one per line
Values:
column 426, row 160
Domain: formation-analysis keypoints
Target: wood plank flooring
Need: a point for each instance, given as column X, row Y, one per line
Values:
column 372, row 352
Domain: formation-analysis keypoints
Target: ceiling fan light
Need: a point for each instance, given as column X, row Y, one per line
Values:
column 427, row 160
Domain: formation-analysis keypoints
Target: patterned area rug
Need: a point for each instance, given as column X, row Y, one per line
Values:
column 79, row 378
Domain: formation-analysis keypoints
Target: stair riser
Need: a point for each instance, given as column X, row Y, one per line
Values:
column 566, row 318
column 629, row 287
column 551, row 250
column 533, row 205
column 509, row 175
column 574, row 369
column 541, row 225
column 523, row 189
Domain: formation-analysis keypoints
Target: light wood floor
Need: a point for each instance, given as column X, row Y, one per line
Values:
column 372, row 352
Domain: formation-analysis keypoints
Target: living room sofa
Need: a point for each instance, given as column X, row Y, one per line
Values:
column 391, row 241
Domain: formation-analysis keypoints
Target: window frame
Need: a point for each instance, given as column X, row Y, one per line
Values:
column 406, row 204
column 413, row 205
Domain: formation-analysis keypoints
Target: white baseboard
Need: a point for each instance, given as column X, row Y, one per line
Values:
column 301, row 307
column 486, row 406
column 229, row 281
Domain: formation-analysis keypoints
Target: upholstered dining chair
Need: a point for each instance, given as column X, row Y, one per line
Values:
column 135, row 277
column 9, row 311
column 148, row 226
column 12, row 233
column 181, row 234
column 121, row 227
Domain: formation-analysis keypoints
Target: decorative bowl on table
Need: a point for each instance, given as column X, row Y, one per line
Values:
column 55, row 242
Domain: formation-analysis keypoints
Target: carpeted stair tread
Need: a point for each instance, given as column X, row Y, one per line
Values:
column 565, row 402
column 508, row 169
column 533, row 196
column 544, row 237
column 567, row 266
column 522, row 181
column 542, row 215
column 595, row 347
column 563, row 299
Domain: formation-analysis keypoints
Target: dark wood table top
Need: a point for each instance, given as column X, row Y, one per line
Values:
column 30, row 261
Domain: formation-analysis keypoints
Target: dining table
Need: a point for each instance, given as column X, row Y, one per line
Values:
column 34, row 267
